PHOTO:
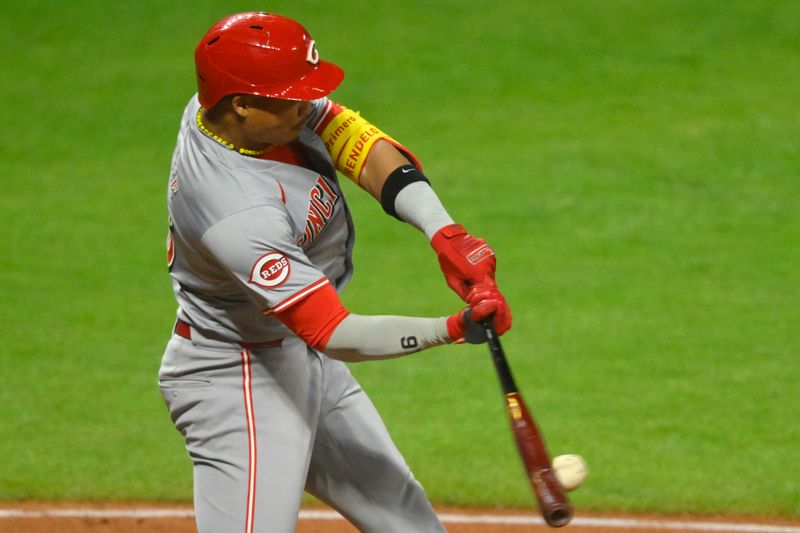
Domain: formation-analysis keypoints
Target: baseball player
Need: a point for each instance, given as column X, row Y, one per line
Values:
column 260, row 242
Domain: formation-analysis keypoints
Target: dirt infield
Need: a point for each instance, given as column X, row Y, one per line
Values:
column 155, row 518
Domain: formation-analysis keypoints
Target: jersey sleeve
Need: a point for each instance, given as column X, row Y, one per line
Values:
column 319, row 111
column 255, row 246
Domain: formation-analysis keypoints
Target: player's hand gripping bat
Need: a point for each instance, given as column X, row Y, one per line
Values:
column 553, row 503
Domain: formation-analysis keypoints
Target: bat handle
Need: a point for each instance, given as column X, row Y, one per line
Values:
column 499, row 358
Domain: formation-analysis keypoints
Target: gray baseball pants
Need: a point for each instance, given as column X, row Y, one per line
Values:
column 264, row 425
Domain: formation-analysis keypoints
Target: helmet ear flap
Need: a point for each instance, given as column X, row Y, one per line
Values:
column 262, row 54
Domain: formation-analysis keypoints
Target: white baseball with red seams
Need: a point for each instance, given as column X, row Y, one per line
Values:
column 571, row 470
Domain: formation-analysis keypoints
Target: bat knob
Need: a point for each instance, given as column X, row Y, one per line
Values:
column 559, row 517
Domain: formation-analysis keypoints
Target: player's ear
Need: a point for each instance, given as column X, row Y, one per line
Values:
column 240, row 104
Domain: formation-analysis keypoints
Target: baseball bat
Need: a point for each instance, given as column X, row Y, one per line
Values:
column 553, row 503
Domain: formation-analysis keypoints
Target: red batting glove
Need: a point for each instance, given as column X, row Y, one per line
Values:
column 465, row 260
column 469, row 266
column 488, row 291
column 465, row 325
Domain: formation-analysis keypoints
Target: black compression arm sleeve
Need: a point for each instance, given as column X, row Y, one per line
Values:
column 396, row 182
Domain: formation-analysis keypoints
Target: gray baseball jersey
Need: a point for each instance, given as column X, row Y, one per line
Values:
column 250, row 235
column 264, row 416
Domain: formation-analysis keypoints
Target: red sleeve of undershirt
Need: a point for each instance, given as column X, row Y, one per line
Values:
column 314, row 317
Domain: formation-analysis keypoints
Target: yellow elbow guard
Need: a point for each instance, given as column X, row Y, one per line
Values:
column 349, row 139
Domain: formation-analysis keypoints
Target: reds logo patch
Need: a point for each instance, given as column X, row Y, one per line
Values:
column 271, row 270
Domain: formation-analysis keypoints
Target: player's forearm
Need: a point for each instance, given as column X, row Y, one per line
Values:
column 418, row 205
column 403, row 190
column 364, row 338
column 320, row 319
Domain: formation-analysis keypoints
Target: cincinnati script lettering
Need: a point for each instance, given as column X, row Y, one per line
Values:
column 321, row 200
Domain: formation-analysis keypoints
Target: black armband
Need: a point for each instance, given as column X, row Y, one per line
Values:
column 398, row 180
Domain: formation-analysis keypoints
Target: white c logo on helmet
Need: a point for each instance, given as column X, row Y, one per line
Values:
column 312, row 56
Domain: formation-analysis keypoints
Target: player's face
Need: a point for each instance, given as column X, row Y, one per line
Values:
column 273, row 121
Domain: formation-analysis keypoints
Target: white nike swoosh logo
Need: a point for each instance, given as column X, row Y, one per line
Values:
column 407, row 170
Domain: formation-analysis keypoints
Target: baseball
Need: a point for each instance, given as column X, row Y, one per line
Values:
column 571, row 470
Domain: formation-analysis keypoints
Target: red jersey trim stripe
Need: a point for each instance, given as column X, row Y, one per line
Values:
column 283, row 193
column 252, row 456
column 327, row 114
column 297, row 296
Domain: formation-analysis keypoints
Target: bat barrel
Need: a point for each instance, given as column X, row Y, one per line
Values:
column 553, row 503
column 556, row 509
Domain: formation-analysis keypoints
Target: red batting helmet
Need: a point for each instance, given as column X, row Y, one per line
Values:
column 262, row 54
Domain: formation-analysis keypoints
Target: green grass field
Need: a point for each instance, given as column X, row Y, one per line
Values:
column 635, row 165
